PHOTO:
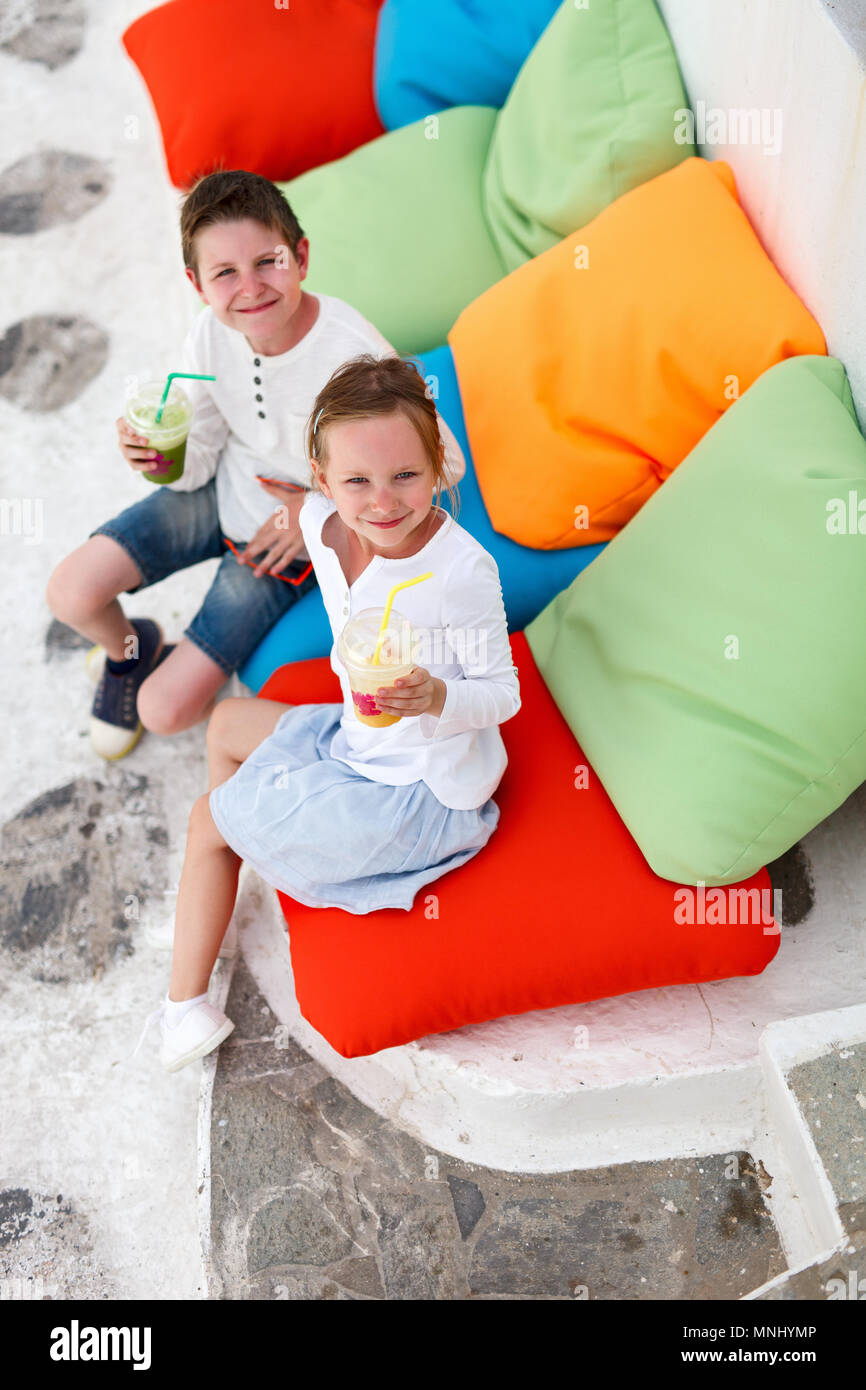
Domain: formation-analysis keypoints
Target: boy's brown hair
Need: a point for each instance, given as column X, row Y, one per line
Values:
column 366, row 386
column 228, row 195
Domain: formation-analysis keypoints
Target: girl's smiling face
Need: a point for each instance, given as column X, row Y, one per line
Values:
column 380, row 478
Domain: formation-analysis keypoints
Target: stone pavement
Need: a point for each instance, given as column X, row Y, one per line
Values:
column 314, row 1196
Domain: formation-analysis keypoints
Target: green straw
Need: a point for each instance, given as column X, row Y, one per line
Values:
column 191, row 376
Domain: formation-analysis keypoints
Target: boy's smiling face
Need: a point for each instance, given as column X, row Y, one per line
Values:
column 252, row 282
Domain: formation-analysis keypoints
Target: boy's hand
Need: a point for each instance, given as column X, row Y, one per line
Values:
column 134, row 447
column 417, row 693
column 280, row 537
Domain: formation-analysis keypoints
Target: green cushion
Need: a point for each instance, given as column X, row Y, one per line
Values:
column 396, row 227
column 711, row 662
column 590, row 116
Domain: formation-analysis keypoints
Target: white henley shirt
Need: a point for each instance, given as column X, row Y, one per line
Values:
column 252, row 418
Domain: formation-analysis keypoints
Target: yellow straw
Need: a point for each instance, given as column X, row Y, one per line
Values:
column 407, row 583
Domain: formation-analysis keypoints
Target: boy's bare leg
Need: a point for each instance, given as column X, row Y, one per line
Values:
column 181, row 691
column 82, row 592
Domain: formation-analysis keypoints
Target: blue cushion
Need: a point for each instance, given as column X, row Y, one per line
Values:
column 530, row 578
column 456, row 53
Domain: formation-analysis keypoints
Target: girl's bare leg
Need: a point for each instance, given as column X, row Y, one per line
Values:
column 209, row 879
column 205, row 902
column 237, row 726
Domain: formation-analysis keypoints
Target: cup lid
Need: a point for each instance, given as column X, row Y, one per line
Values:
column 359, row 637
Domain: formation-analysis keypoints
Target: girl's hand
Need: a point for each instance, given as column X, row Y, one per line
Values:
column 280, row 536
column 417, row 693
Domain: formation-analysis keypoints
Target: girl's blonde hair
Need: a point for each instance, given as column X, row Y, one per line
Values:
column 367, row 386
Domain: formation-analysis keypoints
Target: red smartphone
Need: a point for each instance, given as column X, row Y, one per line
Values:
column 281, row 482
column 298, row 579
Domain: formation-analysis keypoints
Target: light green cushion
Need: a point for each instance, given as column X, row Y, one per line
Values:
column 718, row 763
column 590, row 116
column 396, row 227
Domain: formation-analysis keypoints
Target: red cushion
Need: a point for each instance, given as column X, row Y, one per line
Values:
column 559, row 907
column 251, row 86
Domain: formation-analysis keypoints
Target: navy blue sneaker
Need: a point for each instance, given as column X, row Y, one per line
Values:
column 115, row 727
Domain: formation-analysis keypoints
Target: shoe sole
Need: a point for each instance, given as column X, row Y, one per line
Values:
column 115, row 757
column 203, row 1048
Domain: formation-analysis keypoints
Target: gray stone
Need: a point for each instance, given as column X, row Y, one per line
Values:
column 359, row 1276
column 79, row 865
column 308, row 1225
column 60, row 639
column 253, row 1018
column 468, row 1202
column 298, row 1287
column 791, row 873
column 42, row 31
column 419, row 1242
column 16, row 1206
column 827, row 1090
column 47, row 360
column 49, row 187
column 46, row 1250
column 736, row 1243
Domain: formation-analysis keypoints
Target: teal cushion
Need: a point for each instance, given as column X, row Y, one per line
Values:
column 470, row 56
column 712, row 663
column 590, row 116
column 396, row 227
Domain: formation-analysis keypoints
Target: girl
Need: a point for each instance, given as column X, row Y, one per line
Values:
column 331, row 810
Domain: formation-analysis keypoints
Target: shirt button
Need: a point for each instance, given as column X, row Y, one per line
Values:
column 258, row 398
column 261, row 415
column 257, row 380
column 256, row 362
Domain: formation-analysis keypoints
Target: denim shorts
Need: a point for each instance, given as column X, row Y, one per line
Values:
column 169, row 531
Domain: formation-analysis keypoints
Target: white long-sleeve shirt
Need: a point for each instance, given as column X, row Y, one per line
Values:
column 252, row 418
column 460, row 754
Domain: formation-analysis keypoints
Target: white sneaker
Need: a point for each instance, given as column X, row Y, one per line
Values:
column 201, row 1029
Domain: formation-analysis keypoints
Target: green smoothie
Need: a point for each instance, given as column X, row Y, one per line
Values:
column 169, row 436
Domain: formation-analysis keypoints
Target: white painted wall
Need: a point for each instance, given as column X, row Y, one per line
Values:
column 807, row 203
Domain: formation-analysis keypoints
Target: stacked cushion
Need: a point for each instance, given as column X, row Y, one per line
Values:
column 558, row 908
column 711, row 661
column 590, row 116
column 414, row 226
column 396, row 228
column 589, row 374
column 530, row 578
column 276, row 89
column 462, row 53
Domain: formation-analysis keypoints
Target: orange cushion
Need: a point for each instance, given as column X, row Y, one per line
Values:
column 588, row 374
column 559, row 907
column 273, row 90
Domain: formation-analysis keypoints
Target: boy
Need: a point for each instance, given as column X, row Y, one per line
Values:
column 271, row 347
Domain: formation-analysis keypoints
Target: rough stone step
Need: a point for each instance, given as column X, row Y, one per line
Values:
column 313, row 1195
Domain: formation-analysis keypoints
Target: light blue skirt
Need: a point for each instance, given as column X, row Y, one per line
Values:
column 330, row 837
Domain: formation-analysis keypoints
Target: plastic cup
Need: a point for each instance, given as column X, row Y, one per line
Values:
column 169, row 436
column 355, row 648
